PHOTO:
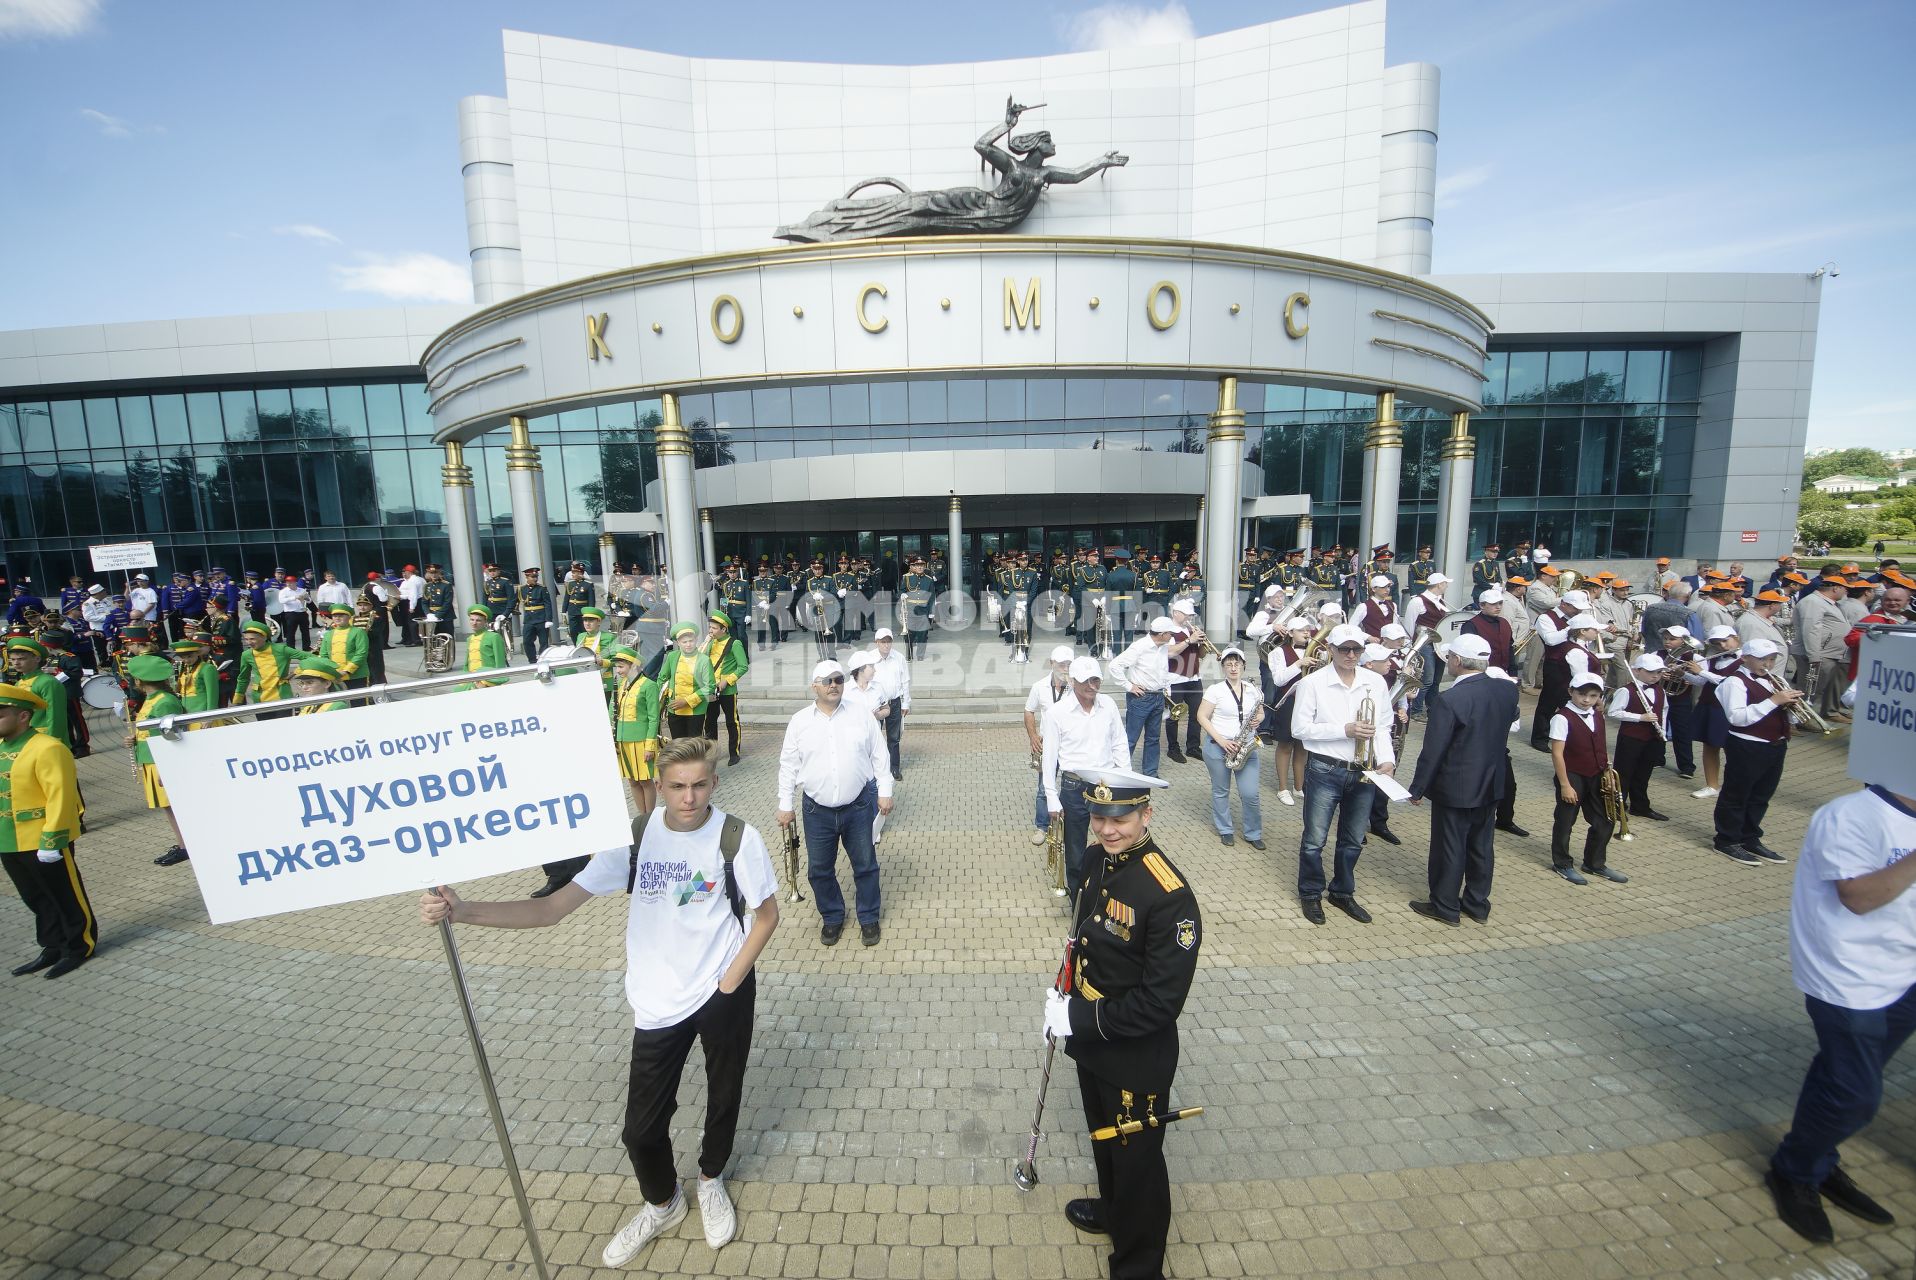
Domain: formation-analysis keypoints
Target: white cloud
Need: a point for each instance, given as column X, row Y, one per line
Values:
column 307, row 231
column 1129, row 26
column 115, row 126
column 1451, row 186
column 405, row 277
column 53, row 19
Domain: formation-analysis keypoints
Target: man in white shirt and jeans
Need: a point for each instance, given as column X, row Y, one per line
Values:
column 892, row 679
column 1050, row 689
column 1853, row 951
column 1082, row 731
column 1144, row 669
column 1326, row 720
column 837, row 757
column 689, row 957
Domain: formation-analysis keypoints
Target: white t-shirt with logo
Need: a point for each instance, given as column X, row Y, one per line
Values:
column 680, row 935
column 1840, row 957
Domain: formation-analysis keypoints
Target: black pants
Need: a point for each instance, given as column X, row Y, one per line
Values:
column 1751, row 772
column 300, row 624
column 915, row 642
column 726, row 703
column 376, row 655
column 62, row 913
column 1133, row 1186
column 1507, row 807
column 1590, row 801
column 1550, row 700
column 1635, row 760
column 894, row 723
column 564, row 869
column 686, row 726
column 1191, row 694
column 723, row 1026
column 408, row 631
column 1683, row 715
column 1461, row 858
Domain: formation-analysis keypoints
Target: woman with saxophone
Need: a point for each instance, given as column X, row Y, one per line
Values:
column 1229, row 716
column 1580, row 755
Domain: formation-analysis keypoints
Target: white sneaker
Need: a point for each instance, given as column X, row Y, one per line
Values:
column 1037, row 837
column 1704, row 793
column 715, row 1208
column 652, row 1221
column 1285, row 797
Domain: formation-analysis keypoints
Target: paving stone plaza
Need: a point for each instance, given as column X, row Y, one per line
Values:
column 1588, row 1086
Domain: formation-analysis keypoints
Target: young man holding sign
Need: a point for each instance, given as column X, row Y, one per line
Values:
column 689, row 954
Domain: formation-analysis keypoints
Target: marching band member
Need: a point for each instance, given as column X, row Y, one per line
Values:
column 1683, row 675
column 1046, row 692
column 199, row 679
column 1381, row 609
column 154, row 677
column 37, row 832
column 26, row 658
column 533, row 603
column 1539, row 598
column 635, row 724
column 264, row 667
column 1554, row 638
column 1285, row 665
column 837, row 758
column 726, row 655
column 1580, row 753
column 589, row 634
column 1641, row 710
column 1426, row 611
column 1145, row 671
column 313, row 676
column 1760, row 619
column 1489, row 625
column 685, row 683
column 1186, row 656
column 1758, row 714
column 1585, row 631
column 1081, row 733
column 1330, row 721
column 1229, row 707
column 892, row 679
column 485, row 648
column 863, row 694
column 1385, row 663
column 1711, row 728
column 344, row 645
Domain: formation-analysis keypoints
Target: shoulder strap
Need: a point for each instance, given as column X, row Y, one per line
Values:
column 638, row 838
column 731, row 834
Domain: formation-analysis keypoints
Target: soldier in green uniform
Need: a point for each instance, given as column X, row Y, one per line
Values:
column 496, row 593
column 1247, row 588
column 1091, row 587
column 534, row 604
column 265, row 669
column 1290, row 573
column 1134, row 953
column 726, row 653
column 1519, row 563
column 485, row 648
column 769, row 589
column 735, row 598
column 579, row 594
column 817, row 610
column 918, row 587
column 221, row 630
column 1121, row 598
column 1190, row 583
column 40, row 795
column 1324, row 573
column 1155, row 583
column 1418, row 573
column 343, row 645
column 1486, row 571
column 437, row 599
column 845, row 591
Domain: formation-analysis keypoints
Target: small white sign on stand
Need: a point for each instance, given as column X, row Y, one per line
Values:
column 111, row 557
column 1882, row 744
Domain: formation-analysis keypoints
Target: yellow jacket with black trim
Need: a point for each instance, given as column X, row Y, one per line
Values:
column 39, row 795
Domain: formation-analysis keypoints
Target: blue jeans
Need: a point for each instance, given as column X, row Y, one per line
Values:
column 1077, row 829
column 1144, row 714
column 1041, row 816
column 825, row 830
column 1844, row 1085
column 1247, row 796
column 1329, row 786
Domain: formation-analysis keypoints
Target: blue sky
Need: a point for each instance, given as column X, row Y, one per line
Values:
column 203, row 158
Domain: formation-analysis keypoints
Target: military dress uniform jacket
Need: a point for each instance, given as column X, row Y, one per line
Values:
column 39, row 793
column 438, row 600
column 498, row 596
column 580, row 594
column 1133, row 960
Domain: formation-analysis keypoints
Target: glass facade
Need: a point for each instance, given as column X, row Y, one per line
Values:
column 1584, row 450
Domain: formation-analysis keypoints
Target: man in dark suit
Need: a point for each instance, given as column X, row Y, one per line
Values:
column 1461, row 770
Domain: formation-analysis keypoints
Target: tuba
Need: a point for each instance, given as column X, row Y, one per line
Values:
column 438, row 652
column 1021, row 630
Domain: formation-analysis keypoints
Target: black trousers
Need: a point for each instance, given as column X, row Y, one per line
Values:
column 300, row 624
column 1751, row 772
column 726, row 703
column 1683, row 714
column 1191, row 694
column 1133, row 1186
column 687, row 726
column 62, row 913
column 408, row 630
column 1461, row 858
column 723, row 1026
column 1550, row 700
column 894, row 723
column 1635, row 760
column 1590, row 802
column 1507, row 807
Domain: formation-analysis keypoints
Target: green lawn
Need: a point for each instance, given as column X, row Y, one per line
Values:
column 1893, row 550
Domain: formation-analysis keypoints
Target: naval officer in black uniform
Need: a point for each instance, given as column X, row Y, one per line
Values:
column 1133, row 957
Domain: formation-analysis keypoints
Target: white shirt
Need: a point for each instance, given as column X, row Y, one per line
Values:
column 832, row 757
column 680, row 934
column 95, row 612
column 866, row 699
column 1228, row 710
column 1580, row 660
column 1324, row 704
column 1043, row 696
column 1560, row 728
column 379, row 590
column 411, row 587
column 892, row 679
column 1144, row 663
column 1734, row 698
column 333, row 593
column 1078, row 739
column 142, row 601
column 1620, row 712
column 1548, row 631
column 291, row 600
column 1839, row 957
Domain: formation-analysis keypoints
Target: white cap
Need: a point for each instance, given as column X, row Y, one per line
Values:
column 140, row 577
column 1375, row 653
column 1302, row 623
column 1063, row 653
column 1086, row 668
column 1761, row 648
column 1162, row 626
column 1272, row 590
column 1540, row 555
column 1438, row 579
column 883, row 633
column 1577, row 597
column 825, row 670
column 1648, row 662
column 1721, row 631
column 1584, row 622
column 1232, row 652
column 1586, row 679
column 1330, row 609
column 1184, row 605
column 1393, row 631
column 1492, row 596
column 96, row 590
column 1684, row 632
column 1470, row 645
column 862, row 658
column 1380, row 580
column 1344, row 633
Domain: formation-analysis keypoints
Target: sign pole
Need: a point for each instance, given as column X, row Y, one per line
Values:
column 492, row 1097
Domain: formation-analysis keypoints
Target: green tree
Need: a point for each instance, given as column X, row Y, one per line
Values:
column 1816, row 500
column 1846, row 462
column 1838, row 528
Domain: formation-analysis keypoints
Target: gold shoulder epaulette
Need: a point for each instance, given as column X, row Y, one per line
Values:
column 1161, row 872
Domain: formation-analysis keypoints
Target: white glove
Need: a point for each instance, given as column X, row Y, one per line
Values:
column 1057, row 1015
column 841, row 593
column 50, row 855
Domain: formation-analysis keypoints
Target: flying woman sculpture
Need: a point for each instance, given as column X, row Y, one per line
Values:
column 1022, row 178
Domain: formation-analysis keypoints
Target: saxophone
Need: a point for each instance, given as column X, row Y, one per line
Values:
column 1246, row 743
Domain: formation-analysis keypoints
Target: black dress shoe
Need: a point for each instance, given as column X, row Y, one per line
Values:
column 65, row 965
column 1851, row 1199
column 1512, row 829
column 1429, row 911
column 171, row 858
column 1314, row 910
column 1386, row 835
column 1177, row 756
column 1482, row 917
column 549, row 888
column 1086, row 1216
column 1763, row 851
column 868, row 934
column 1800, row 1206
column 732, row 759
column 36, row 964
column 1350, row 908
column 829, row 934
column 1654, row 816
column 1227, row 841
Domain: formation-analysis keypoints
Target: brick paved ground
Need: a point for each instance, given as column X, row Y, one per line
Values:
column 1587, row 1087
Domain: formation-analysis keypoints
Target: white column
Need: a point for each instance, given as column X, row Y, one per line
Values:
column 1383, row 462
column 1304, row 536
column 680, row 490
column 525, row 481
column 1456, row 476
column 709, row 549
column 954, row 555
column 1224, row 458
column 462, row 531
column 605, row 571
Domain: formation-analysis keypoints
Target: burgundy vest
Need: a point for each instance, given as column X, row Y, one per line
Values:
column 1376, row 615
column 1774, row 727
column 1494, row 632
column 1638, row 729
column 1584, row 753
column 1557, row 655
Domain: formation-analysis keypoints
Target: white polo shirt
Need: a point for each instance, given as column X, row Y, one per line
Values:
column 1839, row 957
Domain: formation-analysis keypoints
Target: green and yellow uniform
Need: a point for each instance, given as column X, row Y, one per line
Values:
column 485, row 650
column 345, row 646
column 268, row 667
column 319, row 668
column 198, row 680
column 635, row 726
column 157, row 706
column 688, row 679
column 39, row 814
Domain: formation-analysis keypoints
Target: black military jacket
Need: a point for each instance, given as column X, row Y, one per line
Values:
column 1133, row 960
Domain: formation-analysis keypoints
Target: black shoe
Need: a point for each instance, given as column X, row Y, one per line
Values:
column 1086, row 1216
column 732, row 759
column 829, row 934
column 550, row 887
column 1314, row 910
column 1350, row 908
column 1429, row 911
column 1850, row 1198
column 1571, row 874
column 897, row 775
column 1800, row 1206
column 1605, row 873
column 1227, row 841
column 36, row 964
column 171, row 858
column 1386, row 835
column 65, row 965
column 1690, row 774
column 1256, row 844
column 868, row 934
column 1177, row 757
column 1480, row 918
column 1763, row 851
column 1736, row 853
column 1511, row 828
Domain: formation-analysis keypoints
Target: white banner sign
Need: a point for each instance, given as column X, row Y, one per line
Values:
column 307, row 811
column 110, row 556
column 1882, row 744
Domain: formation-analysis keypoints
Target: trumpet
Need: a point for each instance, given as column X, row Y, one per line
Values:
column 1367, row 719
column 1801, row 713
column 1054, row 854
column 794, row 862
column 1610, row 786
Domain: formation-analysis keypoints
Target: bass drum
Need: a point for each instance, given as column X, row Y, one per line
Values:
column 102, row 690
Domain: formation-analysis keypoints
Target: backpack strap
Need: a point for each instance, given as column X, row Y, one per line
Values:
column 731, row 834
column 638, row 838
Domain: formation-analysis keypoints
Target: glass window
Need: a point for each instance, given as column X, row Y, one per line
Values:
column 48, row 508
column 1561, row 439
column 1523, row 440
column 585, row 485
column 1567, row 369
column 1597, row 455
column 348, row 411
column 413, row 401
column 1674, row 454
column 169, row 419
column 1605, row 382
column 69, row 425
column 384, row 417
column 136, row 421
column 83, row 513
column 889, row 402
column 1496, row 369
column 965, row 399
column 1526, row 377
column 275, row 413
column 16, row 507
column 1124, row 397
column 771, row 407
column 1005, row 399
column 1084, row 398
column 1044, row 398
column 1684, row 368
column 851, row 404
column 252, row 509
column 392, row 474
column 36, row 427
column 9, row 429
column 429, row 489
column 203, row 415
column 1351, row 441
column 358, row 486
column 283, row 488
column 242, row 415
column 319, row 478
column 811, row 406
column 311, row 420
column 213, row 492
column 102, row 424
column 926, row 400
column 1643, row 380
column 111, row 484
column 579, row 420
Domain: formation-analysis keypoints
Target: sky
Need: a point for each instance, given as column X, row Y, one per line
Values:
column 207, row 158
